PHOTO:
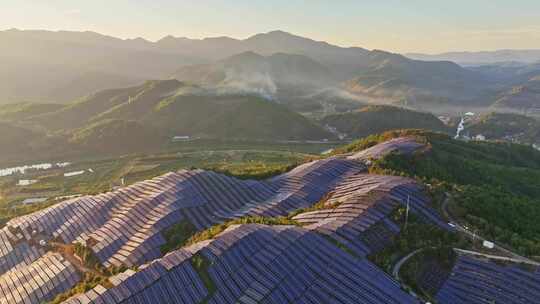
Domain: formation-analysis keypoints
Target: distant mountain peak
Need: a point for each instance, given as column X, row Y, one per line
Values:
column 278, row 34
column 249, row 55
column 167, row 38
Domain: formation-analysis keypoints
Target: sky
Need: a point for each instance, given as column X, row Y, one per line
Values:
column 426, row 26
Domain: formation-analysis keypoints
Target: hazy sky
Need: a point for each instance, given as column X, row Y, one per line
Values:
column 394, row 25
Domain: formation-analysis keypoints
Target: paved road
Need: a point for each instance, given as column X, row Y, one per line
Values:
column 474, row 236
column 496, row 257
column 403, row 260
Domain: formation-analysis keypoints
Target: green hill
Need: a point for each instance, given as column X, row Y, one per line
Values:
column 117, row 136
column 79, row 113
column 495, row 185
column 508, row 126
column 377, row 119
column 234, row 116
column 146, row 117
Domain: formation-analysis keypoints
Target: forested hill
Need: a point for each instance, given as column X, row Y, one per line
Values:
column 379, row 118
column 496, row 185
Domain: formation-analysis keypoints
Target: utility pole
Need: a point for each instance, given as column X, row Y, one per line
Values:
column 407, row 211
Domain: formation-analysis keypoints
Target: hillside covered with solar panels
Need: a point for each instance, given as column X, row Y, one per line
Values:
column 366, row 224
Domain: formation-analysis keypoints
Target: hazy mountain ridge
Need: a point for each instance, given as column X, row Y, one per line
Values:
column 75, row 65
column 398, row 78
column 524, row 98
column 267, row 76
column 378, row 77
column 481, row 58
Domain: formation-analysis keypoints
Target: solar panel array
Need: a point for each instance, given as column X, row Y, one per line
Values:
column 39, row 281
column 122, row 227
column 401, row 145
column 475, row 280
column 257, row 264
column 15, row 252
column 364, row 202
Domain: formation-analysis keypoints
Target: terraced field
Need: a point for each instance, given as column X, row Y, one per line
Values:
column 335, row 214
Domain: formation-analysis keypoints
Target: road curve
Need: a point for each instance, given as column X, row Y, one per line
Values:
column 403, row 260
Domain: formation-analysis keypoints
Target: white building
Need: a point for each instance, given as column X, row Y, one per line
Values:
column 480, row 137
column 74, row 173
column 30, row 201
column 26, row 182
column 181, row 138
column 488, row 244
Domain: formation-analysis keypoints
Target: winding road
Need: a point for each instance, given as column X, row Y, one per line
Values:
column 513, row 257
column 403, row 260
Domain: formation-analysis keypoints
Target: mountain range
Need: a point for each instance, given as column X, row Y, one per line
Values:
column 146, row 118
column 63, row 65
column 85, row 89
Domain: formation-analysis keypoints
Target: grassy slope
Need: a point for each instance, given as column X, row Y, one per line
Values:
column 378, row 119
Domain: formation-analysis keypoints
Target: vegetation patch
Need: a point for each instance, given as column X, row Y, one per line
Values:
column 427, row 270
column 213, row 231
column 320, row 205
column 415, row 234
column 92, row 272
column 201, row 265
column 89, row 281
column 177, row 235
column 86, row 255
column 501, row 216
column 252, row 170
